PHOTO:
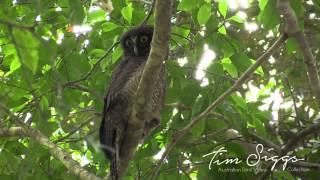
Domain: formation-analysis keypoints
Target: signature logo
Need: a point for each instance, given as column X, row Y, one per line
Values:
column 252, row 159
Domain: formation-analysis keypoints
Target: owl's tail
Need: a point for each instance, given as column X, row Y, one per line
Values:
column 114, row 161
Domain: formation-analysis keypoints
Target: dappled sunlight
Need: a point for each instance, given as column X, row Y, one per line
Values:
column 81, row 29
column 274, row 100
column 238, row 4
column 206, row 59
column 251, row 26
column 159, row 154
column 242, row 15
column 182, row 61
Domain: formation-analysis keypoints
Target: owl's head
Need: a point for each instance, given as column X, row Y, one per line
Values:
column 136, row 41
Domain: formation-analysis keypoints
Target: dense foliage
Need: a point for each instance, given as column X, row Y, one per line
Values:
column 57, row 56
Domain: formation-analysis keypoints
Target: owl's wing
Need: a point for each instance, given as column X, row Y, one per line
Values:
column 115, row 106
column 118, row 79
column 109, row 125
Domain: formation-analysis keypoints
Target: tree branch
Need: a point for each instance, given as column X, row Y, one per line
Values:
column 180, row 134
column 158, row 53
column 11, row 132
column 294, row 31
column 300, row 135
column 72, row 165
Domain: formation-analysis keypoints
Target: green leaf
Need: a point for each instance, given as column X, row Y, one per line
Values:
column 198, row 128
column 297, row 6
column 223, row 7
column 187, row 5
column 109, row 26
column 261, row 131
column 127, row 13
column 241, row 61
column 97, row 53
column 204, row 13
column 269, row 16
column 223, row 43
column 44, row 104
column 235, row 149
column 291, row 46
column 75, row 60
column 116, row 54
column 222, row 30
column 262, row 4
column 27, row 49
column 237, row 19
column 189, row 93
column 98, row 15
column 15, row 64
column 230, row 68
column 76, row 12
column 239, row 101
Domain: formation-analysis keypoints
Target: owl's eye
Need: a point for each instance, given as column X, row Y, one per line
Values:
column 128, row 43
column 144, row 39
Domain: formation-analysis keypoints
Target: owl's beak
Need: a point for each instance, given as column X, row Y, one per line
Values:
column 135, row 50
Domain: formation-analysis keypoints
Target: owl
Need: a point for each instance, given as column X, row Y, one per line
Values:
column 121, row 92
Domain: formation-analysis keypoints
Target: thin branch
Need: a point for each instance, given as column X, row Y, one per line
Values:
column 264, row 141
column 180, row 134
column 65, row 158
column 85, row 77
column 74, row 130
column 142, row 1
column 294, row 31
column 144, row 22
column 294, row 100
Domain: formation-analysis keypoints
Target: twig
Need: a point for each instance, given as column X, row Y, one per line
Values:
column 180, row 134
column 144, row 22
column 183, row 37
column 74, row 130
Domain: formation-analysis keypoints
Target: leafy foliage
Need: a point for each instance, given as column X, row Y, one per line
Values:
column 54, row 69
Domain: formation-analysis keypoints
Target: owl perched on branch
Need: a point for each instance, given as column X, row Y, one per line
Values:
column 136, row 44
